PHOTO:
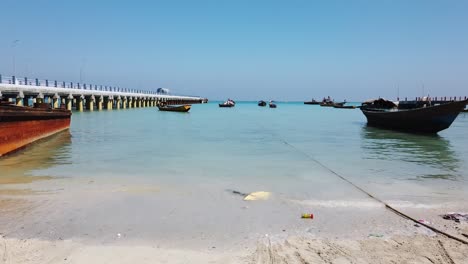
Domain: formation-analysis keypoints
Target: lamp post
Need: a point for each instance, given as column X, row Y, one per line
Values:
column 13, row 45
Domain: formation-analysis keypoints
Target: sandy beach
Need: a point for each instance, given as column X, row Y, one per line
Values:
column 397, row 249
column 73, row 222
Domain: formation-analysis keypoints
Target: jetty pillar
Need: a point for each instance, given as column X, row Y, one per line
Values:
column 135, row 100
column 124, row 103
column 109, row 103
column 119, row 101
column 79, row 103
column 90, row 103
column 99, row 103
column 130, row 102
column 55, row 99
column 26, row 101
column 19, row 99
column 40, row 98
column 69, row 102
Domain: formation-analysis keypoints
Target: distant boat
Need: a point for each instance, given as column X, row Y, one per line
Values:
column 342, row 106
column 262, row 103
column 228, row 103
column 179, row 108
column 331, row 104
column 423, row 119
column 312, row 102
column 328, row 102
column 272, row 104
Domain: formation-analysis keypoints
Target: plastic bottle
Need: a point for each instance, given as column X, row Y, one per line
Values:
column 311, row 216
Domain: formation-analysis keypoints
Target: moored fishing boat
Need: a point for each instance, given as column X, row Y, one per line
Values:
column 175, row 108
column 342, row 106
column 20, row 126
column 312, row 102
column 425, row 119
column 262, row 103
column 272, row 104
column 228, row 103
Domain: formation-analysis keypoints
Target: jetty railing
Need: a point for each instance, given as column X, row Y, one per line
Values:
column 14, row 80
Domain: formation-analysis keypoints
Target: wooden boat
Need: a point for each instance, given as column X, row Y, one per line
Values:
column 331, row 104
column 428, row 119
column 178, row 108
column 228, row 103
column 262, row 103
column 312, row 102
column 272, row 104
column 345, row 106
column 20, row 125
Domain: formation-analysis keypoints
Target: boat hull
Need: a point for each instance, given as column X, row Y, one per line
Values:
column 430, row 119
column 225, row 105
column 311, row 103
column 21, row 126
column 181, row 109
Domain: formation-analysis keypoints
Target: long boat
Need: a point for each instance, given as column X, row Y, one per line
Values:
column 20, row 125
column 313, row 102
column 228, row 103
column 179, row 108
column 345, row 106
column 425, row 119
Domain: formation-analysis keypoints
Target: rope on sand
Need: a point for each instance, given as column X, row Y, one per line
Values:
column 389, row 207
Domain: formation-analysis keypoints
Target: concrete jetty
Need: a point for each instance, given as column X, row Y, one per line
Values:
column 80, row 96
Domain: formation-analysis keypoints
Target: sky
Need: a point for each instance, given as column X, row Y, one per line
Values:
column 244, row 49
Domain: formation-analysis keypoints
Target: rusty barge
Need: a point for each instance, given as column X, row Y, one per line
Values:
column 20, row 126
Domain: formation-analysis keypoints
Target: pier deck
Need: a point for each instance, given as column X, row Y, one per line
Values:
column 24, row 91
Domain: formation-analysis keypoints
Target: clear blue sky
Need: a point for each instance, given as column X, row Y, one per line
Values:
column 244, row 49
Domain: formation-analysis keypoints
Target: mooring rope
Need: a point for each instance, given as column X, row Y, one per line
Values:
column 389, row 207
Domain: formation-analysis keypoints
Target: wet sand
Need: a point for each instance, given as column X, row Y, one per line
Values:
column 92, row 220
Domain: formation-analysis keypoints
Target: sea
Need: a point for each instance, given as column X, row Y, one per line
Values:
column 149, row 174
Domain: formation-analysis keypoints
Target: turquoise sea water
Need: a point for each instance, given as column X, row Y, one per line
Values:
column 248, row 146
column 142, row 172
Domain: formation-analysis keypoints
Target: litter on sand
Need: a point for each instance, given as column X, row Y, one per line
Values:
column 457, row 217
column 257, row 196
column 310, row 216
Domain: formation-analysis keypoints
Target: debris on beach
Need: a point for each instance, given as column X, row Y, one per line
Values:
column 261, row 195
column 422, row 221
column 309, row 216
column 257, row 196
column 457, row 217
column 237, row 192
column 375, row 235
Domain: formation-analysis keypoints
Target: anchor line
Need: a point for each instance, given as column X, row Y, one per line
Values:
column 387, row 206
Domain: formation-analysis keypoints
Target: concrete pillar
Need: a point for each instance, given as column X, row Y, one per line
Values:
column 99, row 102
column 26, row 101
column 69, row 102
column 90, row 103
column 19, row 99
column 135, row 102
column 119, row 101
column 139, row 102
column 110, row 103
column 40, row 98
column 79, row 103
column 124, row 105
column 56, row 99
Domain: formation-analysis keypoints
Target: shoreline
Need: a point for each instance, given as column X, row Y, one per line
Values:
column 294, row 249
